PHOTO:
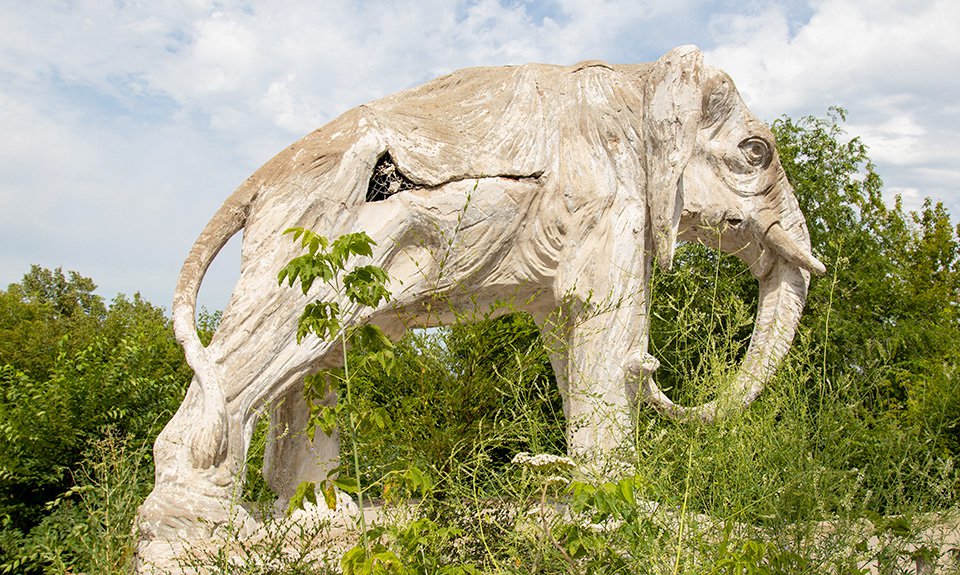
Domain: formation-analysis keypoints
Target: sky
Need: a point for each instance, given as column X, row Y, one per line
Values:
column 126, row 123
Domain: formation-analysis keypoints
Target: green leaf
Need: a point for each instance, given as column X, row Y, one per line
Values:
column 626, row 491
column 330, row 495
column 386, row 561
column 366, row 285
column 306, row 491
column 358, row 243
column 352, row 244
column 381, row 417
column 316, row 386
column 321, row 319
column 327, row 420
column 386, row 359
column 418, row 480
column 296, row 232
column 368, row 339
column 307, row 269
column 311, row 241
column 348, row 484
column 353, row 561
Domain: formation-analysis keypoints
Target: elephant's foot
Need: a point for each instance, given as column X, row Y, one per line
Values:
column 181, row 512
column 604, row 467
column 176, row 517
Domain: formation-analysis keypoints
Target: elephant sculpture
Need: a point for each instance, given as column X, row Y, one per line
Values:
column 557, row 186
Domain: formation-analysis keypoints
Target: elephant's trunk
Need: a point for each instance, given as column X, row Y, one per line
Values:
column 783, row 292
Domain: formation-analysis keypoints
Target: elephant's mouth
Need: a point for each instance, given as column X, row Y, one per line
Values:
column 759, row 243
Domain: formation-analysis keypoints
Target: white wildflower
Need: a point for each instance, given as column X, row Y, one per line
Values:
column 543, row 461
column 556, row 480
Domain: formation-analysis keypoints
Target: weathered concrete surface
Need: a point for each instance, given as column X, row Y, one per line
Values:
column 556, row 186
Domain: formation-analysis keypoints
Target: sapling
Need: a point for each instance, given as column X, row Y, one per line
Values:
column 361, row 286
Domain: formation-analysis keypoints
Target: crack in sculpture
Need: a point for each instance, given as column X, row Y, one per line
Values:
column 597, row 170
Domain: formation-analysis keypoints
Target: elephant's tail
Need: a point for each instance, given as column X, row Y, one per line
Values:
column 208, row 444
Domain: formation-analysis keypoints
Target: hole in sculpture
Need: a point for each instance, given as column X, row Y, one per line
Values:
column 215, row 291
column 387, row 179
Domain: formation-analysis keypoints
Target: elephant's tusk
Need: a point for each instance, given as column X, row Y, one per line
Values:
column 791, row 251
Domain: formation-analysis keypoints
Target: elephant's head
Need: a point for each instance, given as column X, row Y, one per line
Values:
column 714, row 176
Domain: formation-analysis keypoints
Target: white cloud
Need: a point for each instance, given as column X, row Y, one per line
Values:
column 897, row 140
column 909, row 196
column 889, row 63
column 846, row 48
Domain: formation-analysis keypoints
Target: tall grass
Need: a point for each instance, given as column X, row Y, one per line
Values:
column 813, row 478
column 89, row 528
column 806, row 480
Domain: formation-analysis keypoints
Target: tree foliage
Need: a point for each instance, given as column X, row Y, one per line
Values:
column 893, row 288
column 887, row 310
column 73, row 371
column 45, row 313
column 482, row 387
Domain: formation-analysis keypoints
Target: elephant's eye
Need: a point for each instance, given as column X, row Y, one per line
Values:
column 756, row 151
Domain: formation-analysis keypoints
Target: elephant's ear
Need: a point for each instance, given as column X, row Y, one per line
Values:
column 672, row 109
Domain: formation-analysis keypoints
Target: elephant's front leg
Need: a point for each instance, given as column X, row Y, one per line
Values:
column 600, row 390
column 604, row 323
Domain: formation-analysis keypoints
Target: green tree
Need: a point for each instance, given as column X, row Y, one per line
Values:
column 888, row 306
column 68, row 295
column 45, row 314
column 73, row 371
